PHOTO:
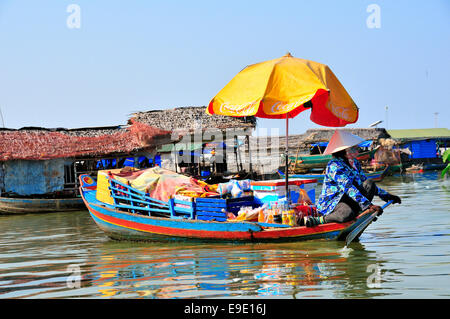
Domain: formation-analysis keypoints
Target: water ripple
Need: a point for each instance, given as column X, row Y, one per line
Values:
column 405, row 254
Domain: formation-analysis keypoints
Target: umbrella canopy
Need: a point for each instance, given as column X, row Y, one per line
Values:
column 284, row 87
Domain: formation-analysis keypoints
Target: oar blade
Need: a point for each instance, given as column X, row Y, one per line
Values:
column 361, row 227
column 355, row 232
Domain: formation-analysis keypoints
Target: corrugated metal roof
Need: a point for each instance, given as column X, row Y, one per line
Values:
column 420, row 133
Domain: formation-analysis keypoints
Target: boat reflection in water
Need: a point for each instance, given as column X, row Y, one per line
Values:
column 318, row 269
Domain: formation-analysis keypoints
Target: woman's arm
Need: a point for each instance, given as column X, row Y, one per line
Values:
column 344, row 182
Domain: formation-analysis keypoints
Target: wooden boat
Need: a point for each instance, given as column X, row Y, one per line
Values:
column 414, row 169
column 321, row 161
column 376, row 176
column 136, row 216
column 11, row 205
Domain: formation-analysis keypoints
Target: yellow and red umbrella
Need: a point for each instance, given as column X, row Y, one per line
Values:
column 283, row 88
column 286, row 85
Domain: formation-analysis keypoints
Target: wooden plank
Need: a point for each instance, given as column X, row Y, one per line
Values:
column 225, row 203
column 175, row 211
column 274, row 225
column 213, row 214
column 211, row 218
column 209, row 213
column 244, row 202
column 136, row 193
column 142, row 208
column 202, row 204
column 219, row 208
column 140, row 201
column 183, row 210
column 240, row 199
column 241, row 204
column 126, row 191
column 148, row 199
column 209, row 209
column 209, row 200
column 211, row 205
column 182, row 202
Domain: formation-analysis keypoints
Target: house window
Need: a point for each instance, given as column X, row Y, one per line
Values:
column 69, row 176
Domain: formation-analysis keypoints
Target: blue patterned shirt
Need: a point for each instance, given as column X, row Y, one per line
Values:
column 339, row 180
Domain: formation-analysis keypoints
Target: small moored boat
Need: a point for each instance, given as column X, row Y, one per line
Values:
column 320, row 161
column 13, row 205
column 414, row 169
column 376, row 176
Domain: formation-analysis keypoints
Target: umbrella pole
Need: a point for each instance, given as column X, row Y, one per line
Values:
column 286, row 172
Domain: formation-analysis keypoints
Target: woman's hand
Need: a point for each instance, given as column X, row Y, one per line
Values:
column 395, row 199
column 376, row 208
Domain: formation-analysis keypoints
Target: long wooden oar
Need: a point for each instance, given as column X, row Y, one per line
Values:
column 358, row 230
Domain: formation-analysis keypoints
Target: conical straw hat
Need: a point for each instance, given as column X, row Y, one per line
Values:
column 342, row 140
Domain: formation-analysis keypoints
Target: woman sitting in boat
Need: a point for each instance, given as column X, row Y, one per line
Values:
column 346, row 191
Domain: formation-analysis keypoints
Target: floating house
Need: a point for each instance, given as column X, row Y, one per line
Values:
column 325, row 134
column 426, row 146
column 39, row 167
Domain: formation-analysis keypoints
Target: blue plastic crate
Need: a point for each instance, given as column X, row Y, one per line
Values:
column 209, row 208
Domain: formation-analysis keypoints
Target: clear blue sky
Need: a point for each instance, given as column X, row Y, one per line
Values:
column 141, row 55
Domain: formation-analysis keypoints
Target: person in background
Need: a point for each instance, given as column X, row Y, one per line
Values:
column 157, row 159
column 346, row 191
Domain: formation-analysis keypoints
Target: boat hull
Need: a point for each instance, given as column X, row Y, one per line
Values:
column 122, row 225
column 9, row 205
column 376, row 176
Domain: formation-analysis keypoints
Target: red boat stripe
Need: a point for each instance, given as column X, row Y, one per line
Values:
column 169, row 230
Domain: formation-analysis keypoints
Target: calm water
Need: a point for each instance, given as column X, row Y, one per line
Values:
column 405, row 254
